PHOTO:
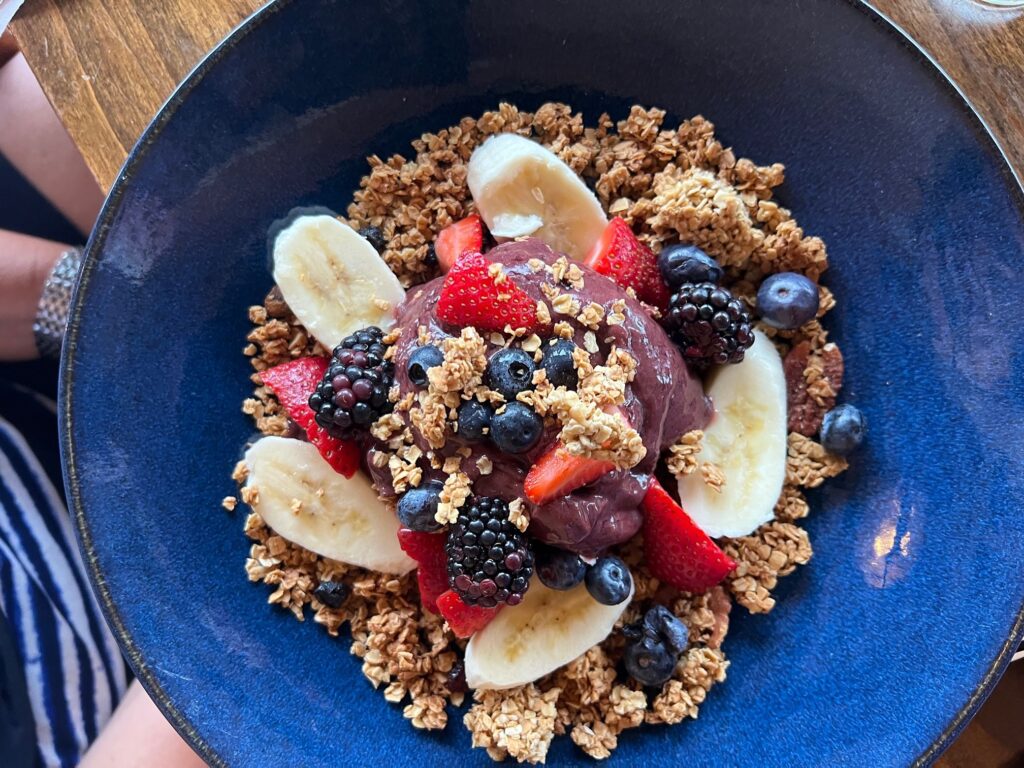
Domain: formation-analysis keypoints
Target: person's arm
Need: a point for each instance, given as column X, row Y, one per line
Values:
column 25, row 263
column 138, row 736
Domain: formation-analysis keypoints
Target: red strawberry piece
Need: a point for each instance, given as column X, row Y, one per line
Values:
column 465, row 620
column 475, row 294
column 676, row 551
column 620, row 256
column 427, row 549
column 457, row 238
column 293, row 383
column 558, row 473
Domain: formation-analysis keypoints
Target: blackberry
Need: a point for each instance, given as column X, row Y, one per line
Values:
column 354, row 390
column 489, row 559
column 708, row 324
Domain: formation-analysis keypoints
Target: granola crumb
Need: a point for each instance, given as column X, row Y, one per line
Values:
column 682, row 459
column 517, row 723
column 229, row 503
column 712, row 475
column 518, row 515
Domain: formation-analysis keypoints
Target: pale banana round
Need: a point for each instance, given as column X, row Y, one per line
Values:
column 747, row 440
column 302, row 499
column 333, row 279
column 546, row 631
column 522, row 189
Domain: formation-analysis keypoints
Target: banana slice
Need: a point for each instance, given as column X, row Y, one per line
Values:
column 333, row 279
column 306, row 502
column 520, row 188
column 747, row 439
column 545, row 631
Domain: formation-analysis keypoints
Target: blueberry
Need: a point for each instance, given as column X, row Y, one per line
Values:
column 660, row 621
column 787, row 300
column 559, row 365
column 510, row 371
column 649, row 661
column 842, row 429
column 422, row 360
column 609, row 580
column 375, row 237
column 682, row 263
column 331, row 593
column 417, row 507
column 474, row 420
column 558, row 568
column 517, row 429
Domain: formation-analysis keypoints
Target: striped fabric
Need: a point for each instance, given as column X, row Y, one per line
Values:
column 72, row 672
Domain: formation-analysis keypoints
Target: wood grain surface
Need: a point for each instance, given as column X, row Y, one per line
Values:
column 108, row 66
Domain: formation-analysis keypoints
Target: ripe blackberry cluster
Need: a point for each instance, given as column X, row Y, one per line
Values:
column 354, row 390
column 489, row 559
column 708, row 324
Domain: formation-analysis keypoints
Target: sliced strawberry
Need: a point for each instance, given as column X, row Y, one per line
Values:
column 293, row 383
column 427, row 549
column 465, row 620
column 676, row 551
column 558, row 473
column 630, row 263
column 457, row 238
column 472, row 295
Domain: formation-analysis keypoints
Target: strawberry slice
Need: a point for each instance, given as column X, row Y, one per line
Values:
column 465, row 620
column 472, row 295
column 620, row 256
column 457, row 238
column 559, row 472
column 293, row 382
column 427, row 549
column 676, row 551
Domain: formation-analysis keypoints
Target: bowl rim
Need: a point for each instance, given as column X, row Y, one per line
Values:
column 133, row 654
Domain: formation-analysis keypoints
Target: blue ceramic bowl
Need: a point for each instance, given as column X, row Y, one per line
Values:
column 878, row 651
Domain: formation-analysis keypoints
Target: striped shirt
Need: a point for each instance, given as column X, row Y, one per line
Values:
column 58, row 660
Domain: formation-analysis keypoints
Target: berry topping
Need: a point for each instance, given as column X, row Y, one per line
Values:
column 473, row 294
column 842, row 429
column 417, row 507
column 559, row 365
column 516, row 429
column 427, row 549
column 332, row 593
column 620, row 256
column 464, row 620
column 558, row 568
column 457, row 238
column 292, row 383
column 456, row 678
column 510, row 371
column 681, row 263
column 375, row 237
column 489, row 559
column 676, row 551
column 558, row 473
column 474, row 420
column 787, row 300
column 353, row 392
column 609, row 580
column 654, row 646
column 708, row 325
column 422, row 360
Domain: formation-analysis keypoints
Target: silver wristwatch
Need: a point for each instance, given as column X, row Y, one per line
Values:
column 55, row 303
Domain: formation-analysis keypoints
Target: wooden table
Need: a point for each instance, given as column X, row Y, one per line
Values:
column 108, row 66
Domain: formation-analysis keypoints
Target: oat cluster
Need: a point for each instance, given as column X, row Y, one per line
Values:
column 669, row 182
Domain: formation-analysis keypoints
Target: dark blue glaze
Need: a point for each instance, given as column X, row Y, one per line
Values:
column 877, row 651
